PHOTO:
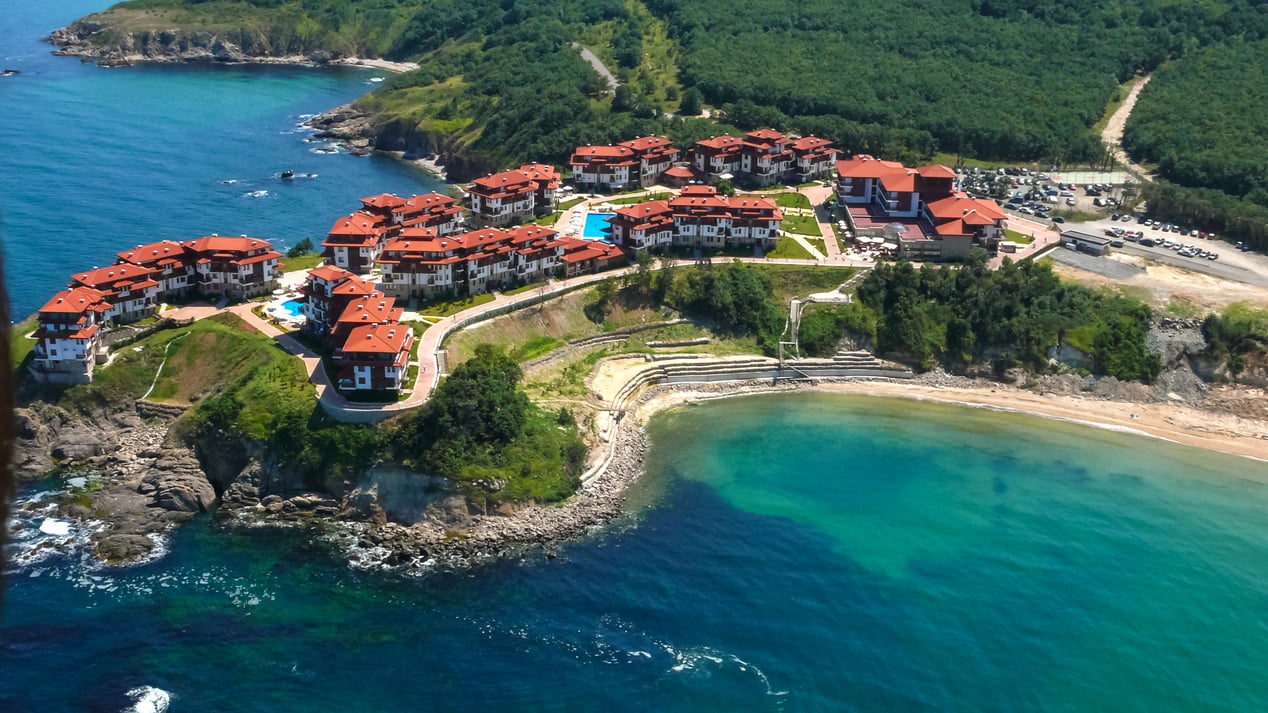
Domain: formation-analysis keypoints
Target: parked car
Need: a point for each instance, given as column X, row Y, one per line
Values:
column 1069, row 201
column 1213, row 256
column 1058, row 219
column 1148, row 242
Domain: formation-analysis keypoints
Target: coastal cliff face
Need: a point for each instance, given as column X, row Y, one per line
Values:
column 112, row 45
column 361, row 130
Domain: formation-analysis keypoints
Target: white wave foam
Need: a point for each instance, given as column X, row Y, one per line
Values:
column 255, row 194
column 148, row 699
column 56, row 528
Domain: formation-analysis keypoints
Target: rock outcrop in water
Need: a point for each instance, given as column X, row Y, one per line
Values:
column 361, row 131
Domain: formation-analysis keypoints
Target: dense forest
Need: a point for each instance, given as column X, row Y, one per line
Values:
column 1015, row 79
column 1203, row 121
column 1008, row 317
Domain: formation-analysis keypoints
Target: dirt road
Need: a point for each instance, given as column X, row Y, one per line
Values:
column 1112, row 134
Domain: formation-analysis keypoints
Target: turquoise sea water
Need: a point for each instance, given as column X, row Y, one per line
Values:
column 785, row 553
column 94, row 161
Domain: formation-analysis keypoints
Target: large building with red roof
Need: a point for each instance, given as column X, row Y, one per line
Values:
column 513, row 196
column 327, row 291
column 636, row 163
column 937, row 220
column 170, row 261
column 765, row 157
column 233, row 267
column 374, row 357
column 698, row 217
column 131, row 291
column 430, row 210
column 431, row 266
column 69, row 338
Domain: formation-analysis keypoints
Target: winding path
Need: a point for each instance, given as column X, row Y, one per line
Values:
column 1112, row 134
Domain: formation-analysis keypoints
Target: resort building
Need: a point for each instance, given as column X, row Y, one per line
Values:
column 918, row 209
column 431, row 210
column 636, row 163
column 69, row 339
column 369, row 309
column 431, row 266
column 355, row 240
column 169, row 260
column 328, row 290
column 512, row 196
column 374, row 357
column 234, row 268
column 131, row 291
column 698, row 217
column 764, row 157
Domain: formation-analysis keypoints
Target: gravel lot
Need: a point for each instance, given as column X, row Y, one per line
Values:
column 1100, row 265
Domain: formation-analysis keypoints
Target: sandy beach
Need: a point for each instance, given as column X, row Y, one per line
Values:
column 1200, row 428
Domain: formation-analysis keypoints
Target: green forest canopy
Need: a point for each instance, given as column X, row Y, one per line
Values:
column 1017, row 79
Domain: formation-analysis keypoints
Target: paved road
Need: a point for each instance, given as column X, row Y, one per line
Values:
column 599, row 67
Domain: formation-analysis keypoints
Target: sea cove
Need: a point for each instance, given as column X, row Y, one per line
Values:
column 98, row 160
column 1005, row 561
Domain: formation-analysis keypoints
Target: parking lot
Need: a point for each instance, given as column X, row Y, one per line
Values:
column 1232, row 264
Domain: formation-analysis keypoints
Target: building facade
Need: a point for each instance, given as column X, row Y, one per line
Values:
column 513, row 196
column 765, row 157
column 637, row 163
column 68, row 342
column 698, row 217
column 234, row 268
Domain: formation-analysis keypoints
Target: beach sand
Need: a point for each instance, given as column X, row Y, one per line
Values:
column 1211, row 430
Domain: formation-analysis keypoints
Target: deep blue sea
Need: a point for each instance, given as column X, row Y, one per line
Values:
column 783, row 553
column 94, row 161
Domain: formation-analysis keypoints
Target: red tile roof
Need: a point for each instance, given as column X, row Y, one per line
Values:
column 646, row 143
column 153, row 252
column 76, row 300
column 371, row 309
column 113, row 275
column 974, row 211
column 378, row 339
column 216, row 243
column 329, row 273
column 383, row 200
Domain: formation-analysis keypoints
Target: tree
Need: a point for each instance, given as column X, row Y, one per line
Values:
column 302, row 248
column 691, row 102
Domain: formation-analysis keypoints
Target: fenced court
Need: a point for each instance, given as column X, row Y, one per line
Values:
column 1114, row 178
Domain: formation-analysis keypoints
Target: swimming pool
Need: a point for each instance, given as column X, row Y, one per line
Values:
column 294, row 308
column 596, row 226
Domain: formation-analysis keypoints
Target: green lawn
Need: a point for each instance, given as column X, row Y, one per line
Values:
column 19, row 345
column 523, row 288
column 1016, row 237
column 792, row 200
column 446, row 308
column 789, row 249
column 630, row 200
column 303, row 262
column 801, row 225
column 570, row 203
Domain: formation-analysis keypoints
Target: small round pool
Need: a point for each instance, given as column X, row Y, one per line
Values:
column 597, row 227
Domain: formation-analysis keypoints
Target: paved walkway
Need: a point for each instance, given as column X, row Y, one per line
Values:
column 1044, row 238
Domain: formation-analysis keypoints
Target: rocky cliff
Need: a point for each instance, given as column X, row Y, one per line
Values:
column 360, row 130
column 110, row 46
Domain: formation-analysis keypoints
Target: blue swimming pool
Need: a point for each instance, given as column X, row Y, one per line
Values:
column 294, row 307
column 596, row 226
